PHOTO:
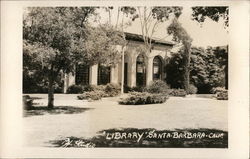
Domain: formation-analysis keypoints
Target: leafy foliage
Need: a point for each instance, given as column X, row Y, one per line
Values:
column 215, row 13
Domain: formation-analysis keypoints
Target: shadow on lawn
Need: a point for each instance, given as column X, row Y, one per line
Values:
column 151, row 138
column 42, row 110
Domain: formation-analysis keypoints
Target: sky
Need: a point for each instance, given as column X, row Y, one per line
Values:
column 209, row 34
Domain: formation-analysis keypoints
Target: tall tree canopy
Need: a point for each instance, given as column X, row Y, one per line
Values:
column 180, row 35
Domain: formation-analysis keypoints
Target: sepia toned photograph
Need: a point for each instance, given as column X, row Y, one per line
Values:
column 125, row 76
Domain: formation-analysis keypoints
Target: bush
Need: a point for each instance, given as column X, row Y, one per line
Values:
column 98, row 87
column 192, row 89
column 158, row 86
column 128, row 89
column 112, row 90
column 96, row 92
column 217, row 89
column 75, row 89
column 221, row 93
column 138, row 98
column 27, row 102
column 92, row 95
column 177, row 92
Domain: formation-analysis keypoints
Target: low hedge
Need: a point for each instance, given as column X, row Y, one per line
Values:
column 139, row 98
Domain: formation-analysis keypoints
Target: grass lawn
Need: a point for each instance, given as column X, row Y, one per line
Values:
column 86, row 120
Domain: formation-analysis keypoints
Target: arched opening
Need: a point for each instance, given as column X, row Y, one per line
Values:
column 157, row 68
column 82, row 74
column 140, row 71
column 103, row 75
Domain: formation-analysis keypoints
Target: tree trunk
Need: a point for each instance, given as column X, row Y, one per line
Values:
column 51, row 94
column 187, row 68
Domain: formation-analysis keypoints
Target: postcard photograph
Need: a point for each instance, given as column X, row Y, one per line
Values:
column 125, row 76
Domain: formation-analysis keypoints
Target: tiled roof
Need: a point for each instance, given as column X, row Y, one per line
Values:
column 137, row 37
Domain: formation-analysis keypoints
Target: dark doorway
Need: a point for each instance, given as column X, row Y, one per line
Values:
column 125, row 74
column 140, row 71
column 103, row 74
column 82, row 74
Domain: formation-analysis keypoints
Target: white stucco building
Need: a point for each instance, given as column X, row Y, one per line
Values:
column 139, row 70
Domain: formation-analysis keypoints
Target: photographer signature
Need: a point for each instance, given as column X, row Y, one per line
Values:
column 68, row 142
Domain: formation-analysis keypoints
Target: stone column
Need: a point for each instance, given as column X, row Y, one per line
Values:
column 93, row 74
column 69, row 80
column 149, row 74
column 132, row 71
column 114, row 74
column 66, row 83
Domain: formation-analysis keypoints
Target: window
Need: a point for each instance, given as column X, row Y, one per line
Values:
column 140, row 71
column 82, row 75
column 103, row 74
column 157, row 68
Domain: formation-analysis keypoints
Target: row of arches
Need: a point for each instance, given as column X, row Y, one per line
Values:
column 104, row 73
column 141, row 69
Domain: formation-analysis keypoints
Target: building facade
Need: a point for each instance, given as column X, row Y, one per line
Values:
column 139, row 69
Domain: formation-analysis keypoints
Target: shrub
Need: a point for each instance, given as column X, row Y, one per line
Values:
column 177, row 92
column 96, row 92
column 98, row 87
column 88, row 88
column 138, row 98
column 157, row 86
column 27, row 102
column 75, row 89
column 192, row 89
column 92, row 95
column 112, row 89
column 221, row 93
column 217, row 89
column 128, row 89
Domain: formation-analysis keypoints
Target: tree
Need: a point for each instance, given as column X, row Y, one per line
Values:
column 180, row 35
column 206, row 69
column 221, row 54
column 215, row 13
column 57, row 38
